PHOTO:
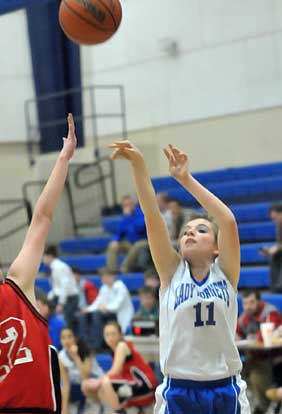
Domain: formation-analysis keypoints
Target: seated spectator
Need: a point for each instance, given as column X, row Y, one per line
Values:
column 87, row 291
column 130, row 381
column 151, row 279
column 64, row 292
column 112, row 302
column 149, row 308
column 178, row 219
column 76, row 364
column 130, row 237
column 163, row 203
column 257, row 370
column 275, row 252
column 55, row 322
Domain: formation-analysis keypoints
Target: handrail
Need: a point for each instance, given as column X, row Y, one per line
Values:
column 14, row 218
column 77, row 182
column 88, row 93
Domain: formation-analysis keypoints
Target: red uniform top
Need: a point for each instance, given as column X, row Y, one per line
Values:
column 135, row 363
column 29, row 370
column 136, row 372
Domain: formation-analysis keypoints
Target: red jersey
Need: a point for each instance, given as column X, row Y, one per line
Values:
column 138, row 374
column 29, row 369
column 136, row 363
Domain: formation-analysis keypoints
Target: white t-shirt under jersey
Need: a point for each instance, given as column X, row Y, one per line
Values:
column 197, row 326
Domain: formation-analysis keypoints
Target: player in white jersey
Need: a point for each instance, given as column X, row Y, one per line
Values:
column 198, row 296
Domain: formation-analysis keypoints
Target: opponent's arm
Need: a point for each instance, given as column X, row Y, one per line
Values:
column 228, row 238
column 163, row 254
column 24, row 269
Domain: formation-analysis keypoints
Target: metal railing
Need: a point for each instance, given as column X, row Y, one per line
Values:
column 96, row 119
column 92, row 187
column 15, row 215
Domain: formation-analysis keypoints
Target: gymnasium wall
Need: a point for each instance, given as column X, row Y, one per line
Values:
column 241, row 139
column 221, row 93
column 229, row 60
column 15, row 76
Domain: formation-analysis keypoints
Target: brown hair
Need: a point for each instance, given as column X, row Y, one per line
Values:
column 114, row 323
column 106, row 271
column 147, row 290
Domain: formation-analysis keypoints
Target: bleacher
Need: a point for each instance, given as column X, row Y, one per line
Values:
column 249, row 191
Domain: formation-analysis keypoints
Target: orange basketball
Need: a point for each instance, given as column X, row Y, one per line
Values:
column 89, row 22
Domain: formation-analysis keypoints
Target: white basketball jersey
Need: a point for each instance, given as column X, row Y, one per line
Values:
column 197, row 326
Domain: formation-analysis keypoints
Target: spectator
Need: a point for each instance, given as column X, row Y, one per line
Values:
column 129, row 238
column 130, row 381
column 257, row 369
column 112, row 302
column 64, row 292
column 275, row 252
column 151, row 279
column 87, row 291
column 178, row 218
column 76, row 364
column 149, row 308
column 55, row 322
column 163, row 203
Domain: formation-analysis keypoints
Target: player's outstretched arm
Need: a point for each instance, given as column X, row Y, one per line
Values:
column 164, row 256
column 228, row 238
column 24, row 269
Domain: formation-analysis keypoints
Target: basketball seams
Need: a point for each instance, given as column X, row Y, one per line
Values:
column 83, row 18
column 110, row 12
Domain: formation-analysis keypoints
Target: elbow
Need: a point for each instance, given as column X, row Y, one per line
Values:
column 42, row 215
column 230, row 220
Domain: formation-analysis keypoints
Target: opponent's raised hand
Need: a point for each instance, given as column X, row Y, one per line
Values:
column 178, row 162
column 125, row 149
column 71, row 141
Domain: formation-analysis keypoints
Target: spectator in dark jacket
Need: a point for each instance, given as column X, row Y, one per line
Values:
column 130, row 237
column 257, row 369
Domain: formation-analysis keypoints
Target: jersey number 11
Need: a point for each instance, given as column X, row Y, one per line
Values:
column 210, row 314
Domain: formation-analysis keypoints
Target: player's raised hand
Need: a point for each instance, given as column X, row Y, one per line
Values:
column 178, row 162
column 125, row 149
column 71, row 141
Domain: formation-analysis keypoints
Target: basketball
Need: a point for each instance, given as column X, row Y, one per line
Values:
column 89, row 22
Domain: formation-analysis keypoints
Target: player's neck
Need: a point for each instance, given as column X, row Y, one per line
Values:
column 200, row 270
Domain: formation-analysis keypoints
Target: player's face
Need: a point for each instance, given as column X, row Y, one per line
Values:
column 198, row 240
column 112, row 336
column 67, row 338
